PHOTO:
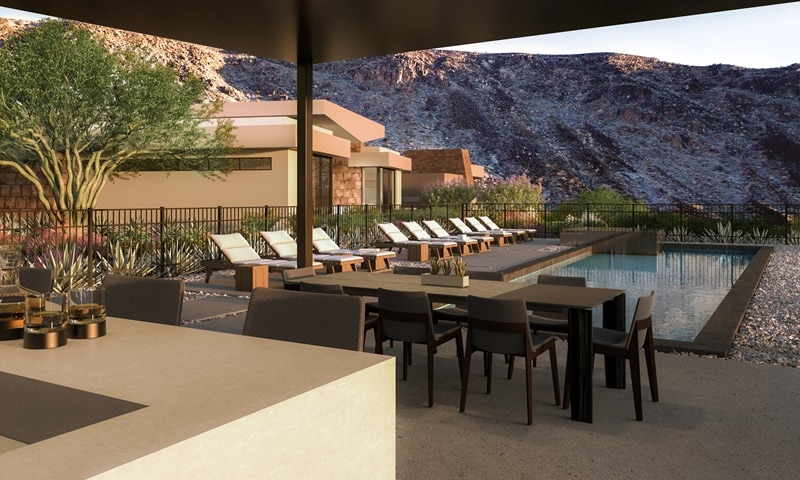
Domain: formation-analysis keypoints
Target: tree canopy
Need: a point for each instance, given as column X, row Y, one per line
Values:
column 72, row 113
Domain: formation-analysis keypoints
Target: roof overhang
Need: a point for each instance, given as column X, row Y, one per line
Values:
column 348, row 29
column 379, row 157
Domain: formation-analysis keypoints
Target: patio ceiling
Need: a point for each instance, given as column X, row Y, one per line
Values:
column 344, row 29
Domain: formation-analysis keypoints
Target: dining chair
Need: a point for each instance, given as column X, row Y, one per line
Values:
column 37, row 279
column 627, row 345
column 406, row 317
column 335, row 321
column 370, row 319
column 292, row 277
column 156, row 300
column 553, row 319
column 501, row 326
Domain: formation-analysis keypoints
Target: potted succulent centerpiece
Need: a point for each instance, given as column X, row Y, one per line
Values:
column 447, row 273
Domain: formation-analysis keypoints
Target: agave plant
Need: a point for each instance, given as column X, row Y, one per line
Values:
column 447, row 266
column 182, row 258
column 460, row 267
column 129, row 258
column 69, row 265
column 436, row 266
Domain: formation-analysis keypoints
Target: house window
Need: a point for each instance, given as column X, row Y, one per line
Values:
column 379, row 186
column 322, row 181
column 156, row 165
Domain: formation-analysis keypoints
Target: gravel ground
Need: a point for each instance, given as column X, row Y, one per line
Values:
column 770, row 331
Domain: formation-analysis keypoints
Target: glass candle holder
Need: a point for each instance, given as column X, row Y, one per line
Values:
column 45, row 321
column 87, row 312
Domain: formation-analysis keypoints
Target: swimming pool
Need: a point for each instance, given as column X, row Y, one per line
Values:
column 689, row 283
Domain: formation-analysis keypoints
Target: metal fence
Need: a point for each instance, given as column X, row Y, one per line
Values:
column 174, row 241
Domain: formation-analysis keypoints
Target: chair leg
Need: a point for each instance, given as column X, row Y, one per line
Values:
column 489, row 375
column 465, row 379
column 529, row 387
column 510, row 359
column 406, row 358
column 430, row 374
column 460, row 353
column 636, row 384
column 565, row 401
column 554, row 370
column 650, row 358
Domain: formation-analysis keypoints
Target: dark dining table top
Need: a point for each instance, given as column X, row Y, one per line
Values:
column 563, row 296
column 365, row 283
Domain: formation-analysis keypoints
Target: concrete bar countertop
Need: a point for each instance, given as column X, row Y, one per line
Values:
column 199, row 405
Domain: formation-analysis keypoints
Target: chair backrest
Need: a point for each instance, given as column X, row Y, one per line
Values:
column 417, row 231
column 642, row 320
column 488, row 222
column 411, row 269
column 436, row 229
column 498, row 325
column 561, row 280
column 322, row 242
column 156, row 300
column 281, row 243
column 335, row 321
column 393, row 233
column 292, row 276
column 475, row 224
column 331, row 288
column 460, row 225
column 235, row 247
column 405, row 316
column 37, row 279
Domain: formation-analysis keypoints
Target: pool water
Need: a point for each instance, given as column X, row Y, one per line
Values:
column 689, row 284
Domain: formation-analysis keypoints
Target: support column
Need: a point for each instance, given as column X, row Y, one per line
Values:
column 305, row 150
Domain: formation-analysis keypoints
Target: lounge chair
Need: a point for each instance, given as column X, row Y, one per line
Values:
column 239, row 252
column 483, row 242
column 479, row 227
column 285, row 247
column 375, row 260
column 398, row 239
column 524, row 233
column 466, row 245
column 502, row 238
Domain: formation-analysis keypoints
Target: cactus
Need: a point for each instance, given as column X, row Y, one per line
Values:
column 447, row 266
column 435, row 266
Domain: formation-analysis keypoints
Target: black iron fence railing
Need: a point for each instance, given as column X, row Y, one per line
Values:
column 175, row 241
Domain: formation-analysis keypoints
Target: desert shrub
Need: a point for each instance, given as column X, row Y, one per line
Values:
column 453, row 192
column 517, row 189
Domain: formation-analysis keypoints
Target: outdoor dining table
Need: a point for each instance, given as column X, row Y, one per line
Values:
column 579, row 301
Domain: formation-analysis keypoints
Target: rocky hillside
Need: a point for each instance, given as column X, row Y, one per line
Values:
column 652, row 130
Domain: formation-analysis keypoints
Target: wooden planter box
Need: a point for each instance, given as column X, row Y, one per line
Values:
column 445, row 280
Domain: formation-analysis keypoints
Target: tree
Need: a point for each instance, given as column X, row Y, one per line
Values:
column 72, row 114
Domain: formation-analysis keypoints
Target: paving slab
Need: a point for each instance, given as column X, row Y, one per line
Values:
column 210, row 307
column 231, row 324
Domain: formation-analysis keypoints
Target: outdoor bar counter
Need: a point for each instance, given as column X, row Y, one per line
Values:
column 156, row 401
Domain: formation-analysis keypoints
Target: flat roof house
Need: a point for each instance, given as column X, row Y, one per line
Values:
column 345, row 170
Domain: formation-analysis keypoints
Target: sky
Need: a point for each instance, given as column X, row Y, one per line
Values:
column 762, row 37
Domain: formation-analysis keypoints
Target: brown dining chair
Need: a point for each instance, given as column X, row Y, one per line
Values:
column 156, row 300
column 293, row 276
column 37, row 279
column 551, row 319
column 627, row 345
column 335, row 321
column 501, row 326
column 406, row 317
column 370, row 320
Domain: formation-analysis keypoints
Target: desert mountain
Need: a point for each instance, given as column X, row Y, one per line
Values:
column 652, row 130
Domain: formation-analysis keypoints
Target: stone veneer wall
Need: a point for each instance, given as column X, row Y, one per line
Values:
column 346, row 183
column 452, row 160
column 17, row 193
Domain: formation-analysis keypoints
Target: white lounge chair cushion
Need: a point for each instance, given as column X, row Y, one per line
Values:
column 281, row 243
column 235, row 247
